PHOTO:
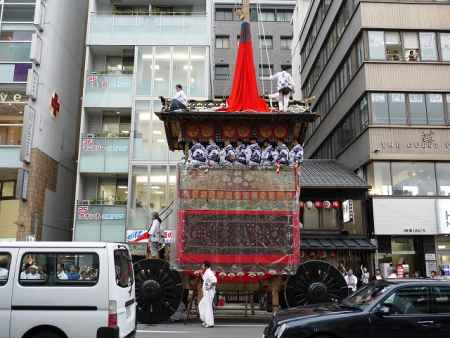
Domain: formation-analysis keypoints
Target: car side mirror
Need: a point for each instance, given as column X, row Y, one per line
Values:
column 382, row 311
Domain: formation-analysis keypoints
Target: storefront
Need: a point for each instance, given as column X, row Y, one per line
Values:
column 406, row 230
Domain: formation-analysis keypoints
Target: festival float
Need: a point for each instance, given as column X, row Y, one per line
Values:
column 244, row 220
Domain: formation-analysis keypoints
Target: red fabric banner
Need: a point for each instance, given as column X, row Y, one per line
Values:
column 244, row 95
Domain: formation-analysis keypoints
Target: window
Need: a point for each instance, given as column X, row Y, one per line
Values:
column 5, row 261
column 18, row 13
column 224, row 14
column 409, row 300
column 443, row 178
column 267, row 15
column 222, row 72
column 286, row 42
column 223, row 41
column 123, row 268
column 413, row 179
column 381, row 184
column 417, row 109
column 53, row 269
column 435, row 109
column 411, row 47
column 8, row 190
column 376, row 45
column 324, row 219
column 266, row 42
column 265, row 70
column 16, row 35
column 380, row 108
column 397, row 108
column 393, row 46
column 440, row 296
column 445, row 46
column 284, row 15
column 14, row 72
column 428, row 46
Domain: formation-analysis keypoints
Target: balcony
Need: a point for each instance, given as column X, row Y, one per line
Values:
column 105, row 223
column 10, row 156
column 109, row 91
column 104, row 155
column 154, row 29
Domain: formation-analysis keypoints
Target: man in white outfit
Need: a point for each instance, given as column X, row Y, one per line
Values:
column 205, row 307
column 285, row 85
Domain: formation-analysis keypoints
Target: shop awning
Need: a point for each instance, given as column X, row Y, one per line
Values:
column 336, row 244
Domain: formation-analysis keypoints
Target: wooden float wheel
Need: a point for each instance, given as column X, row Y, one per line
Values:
column 159, row 290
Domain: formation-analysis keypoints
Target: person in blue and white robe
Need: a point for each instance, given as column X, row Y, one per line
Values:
column 253, row 153
column 213, row 153
column 241, row 155
column 227, row 155
column 197, row 155
column 283, row 154
column 296, row 153
column 269, row 155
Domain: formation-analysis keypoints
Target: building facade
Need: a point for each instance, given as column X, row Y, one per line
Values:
column 380, row 73
column 135, row 54
column 272, row 39
column 40, row 89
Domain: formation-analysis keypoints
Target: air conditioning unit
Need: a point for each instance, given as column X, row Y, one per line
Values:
column 36, row 49
column 39, row 16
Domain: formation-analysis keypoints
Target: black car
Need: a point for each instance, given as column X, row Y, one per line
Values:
column 383, row 309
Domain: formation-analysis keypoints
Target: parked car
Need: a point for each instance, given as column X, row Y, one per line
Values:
column 66, row 290
column 383, row 309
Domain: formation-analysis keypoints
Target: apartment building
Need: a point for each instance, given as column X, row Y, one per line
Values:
column 40, row 90
column 380, row 72
column 272, row 39
column 135, row 53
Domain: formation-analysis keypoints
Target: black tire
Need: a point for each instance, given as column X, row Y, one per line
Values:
column 46, row 334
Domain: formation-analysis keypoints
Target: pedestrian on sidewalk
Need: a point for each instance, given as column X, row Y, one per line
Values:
column 205, row 307
column 154, row 233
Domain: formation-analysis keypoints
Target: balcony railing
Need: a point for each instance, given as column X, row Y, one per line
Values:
column 104, row 155
column 15, row 51
column 100, row 223
column 153, row 29
column 111, row 90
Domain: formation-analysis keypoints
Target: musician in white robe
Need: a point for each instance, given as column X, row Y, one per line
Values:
column 205, row 307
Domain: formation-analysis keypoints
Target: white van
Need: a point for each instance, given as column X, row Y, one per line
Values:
column 66, row 290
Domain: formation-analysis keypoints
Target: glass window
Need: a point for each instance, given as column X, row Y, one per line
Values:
column 435, row 109
column 222, row 72
column 417, row 109
column 409, row 300
column 181, row 67
column 124, row 268
column 224, row 14
column 264, row 70
column 114, row 64
column 222, row 41
column 198, row 73
column 380, row 112
column 265, row 42
column 5, row 261
column 445, row 46
column 107, row 191
column 364, row 108
column 443, row 178
column 82, row 268
column 393, row 46
column 397, row 108
column 330, row 219
column 34, row 268
column 18, row 13
column 428, row 46
column 14, row 72
column 381, row 184
column 158, row 182
column 267, row 15
column 440, row 296
column 286, row 42
column 8, row 190
column 284, row 15
column 411, row 47
column 413, row 179
column 16, row 35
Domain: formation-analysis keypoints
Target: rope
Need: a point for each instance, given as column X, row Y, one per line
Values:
column 258, row 6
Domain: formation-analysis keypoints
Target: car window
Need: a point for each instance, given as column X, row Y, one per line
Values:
column 59, row 269
column 367, row 295
column 440, row 296
column 409, row 300
column 124, row 268
column 5, row 261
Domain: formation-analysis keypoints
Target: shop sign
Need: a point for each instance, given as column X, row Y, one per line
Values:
column 84, row 214
column 430, row 257
column 27, row 134
column 137, row 236
column 91, row 145
column 8, row 97
column 443, row 213
column 347, row 209
column 404, row 216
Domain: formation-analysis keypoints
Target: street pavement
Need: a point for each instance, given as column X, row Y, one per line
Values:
column 223, row 329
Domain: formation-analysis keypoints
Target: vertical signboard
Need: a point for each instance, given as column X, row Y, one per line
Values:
column 27, row 134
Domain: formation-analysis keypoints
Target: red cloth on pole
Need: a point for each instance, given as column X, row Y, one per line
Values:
column 244, row 93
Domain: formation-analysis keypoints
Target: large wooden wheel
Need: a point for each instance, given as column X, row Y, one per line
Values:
column 159, row 290
column 315, row 282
